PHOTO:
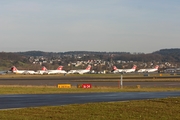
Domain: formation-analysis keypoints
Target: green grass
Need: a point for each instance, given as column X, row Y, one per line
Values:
column 157, row 109
column 16, row 89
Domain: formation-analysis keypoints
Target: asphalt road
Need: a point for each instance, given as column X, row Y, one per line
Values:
column 36, row 100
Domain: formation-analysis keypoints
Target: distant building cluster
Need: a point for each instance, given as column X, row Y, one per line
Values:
column 100, row 65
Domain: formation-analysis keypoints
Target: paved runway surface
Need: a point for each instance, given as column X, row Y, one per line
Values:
column 35, row 100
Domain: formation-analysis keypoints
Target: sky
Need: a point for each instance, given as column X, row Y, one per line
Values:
column 132, row 26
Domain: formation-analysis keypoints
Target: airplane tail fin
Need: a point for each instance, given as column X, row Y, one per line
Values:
column 88, row 67
column 114, row 68
column 134, row 67
column 13, row 68
column 60, row 68
column 157, row 66
column 44, row 68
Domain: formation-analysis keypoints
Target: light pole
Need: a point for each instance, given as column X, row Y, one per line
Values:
column 121, row 82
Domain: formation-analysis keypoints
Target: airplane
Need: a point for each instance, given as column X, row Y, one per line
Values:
column 42, row 71
column 80, row 71
column 57, row 71
column 15, row 70
column 116, row 70
column 149, row 69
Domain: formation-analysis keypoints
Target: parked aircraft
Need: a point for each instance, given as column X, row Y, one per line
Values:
column 57, row 71
column 44, row 70
column 116, row 70
column 149, row 69
column 80, row 71
column 15, row 70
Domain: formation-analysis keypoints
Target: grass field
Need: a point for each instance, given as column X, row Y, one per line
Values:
column 157, row 109
column 17, row 89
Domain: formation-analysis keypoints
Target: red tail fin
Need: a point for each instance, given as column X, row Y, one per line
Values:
column 114, row 68
column 134, row 67
column 13, row 68
column 60, row 68
column 44, row 68
column 88, row 67
column 157, row 66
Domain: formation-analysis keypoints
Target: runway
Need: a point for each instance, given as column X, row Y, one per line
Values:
column 37, row 100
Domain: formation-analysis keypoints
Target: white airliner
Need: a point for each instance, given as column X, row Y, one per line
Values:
column 80, row 71
column 57, row 71
column 15, row 70
column 42, row 71
column 116, row 70
column 149, row 69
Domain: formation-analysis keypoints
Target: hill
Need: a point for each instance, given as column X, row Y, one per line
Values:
column 174, row 51
column 9, row 59
column 53, row 59
column 163, row 55
column 169, row 54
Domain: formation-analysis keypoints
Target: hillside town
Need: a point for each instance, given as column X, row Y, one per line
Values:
column 100, row 65
column 168, row 60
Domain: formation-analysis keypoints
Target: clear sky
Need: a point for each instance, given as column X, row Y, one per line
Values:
column 89, row 25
